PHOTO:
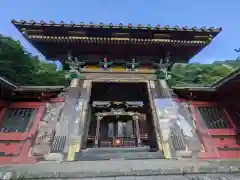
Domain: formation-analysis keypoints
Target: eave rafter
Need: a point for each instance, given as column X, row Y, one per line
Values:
column 99, row 40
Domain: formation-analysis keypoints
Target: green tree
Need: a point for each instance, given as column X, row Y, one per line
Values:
column 22, row 68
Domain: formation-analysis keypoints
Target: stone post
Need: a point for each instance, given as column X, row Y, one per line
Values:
column 74, row 82
column 97, row 131
column 135, row 118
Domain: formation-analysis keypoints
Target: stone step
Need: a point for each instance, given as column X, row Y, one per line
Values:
column 94, row 154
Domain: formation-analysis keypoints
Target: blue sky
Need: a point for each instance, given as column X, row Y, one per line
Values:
column 172, row 12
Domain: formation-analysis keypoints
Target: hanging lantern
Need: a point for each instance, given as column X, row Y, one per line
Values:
column 81, row 24
column 62, row 23
column 52, row 22
column 139, row 26
column 148, row 26
column 129, row 25
column 158, row 26
column 120, row 25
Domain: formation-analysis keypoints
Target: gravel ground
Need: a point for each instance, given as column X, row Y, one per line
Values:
column 122, row 169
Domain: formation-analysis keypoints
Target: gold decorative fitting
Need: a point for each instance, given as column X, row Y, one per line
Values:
column 167, row 27
column 42, row 22
column 129, row 25
column 22, row 22
column 52, row 22
column 185, row 28
column 158, row 26
column 139, row 26
column 62, row 23
column 32, row 22
column 176, row 27
column 194, row 28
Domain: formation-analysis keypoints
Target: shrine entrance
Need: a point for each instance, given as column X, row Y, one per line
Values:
column 117, row 128
column 120, row 116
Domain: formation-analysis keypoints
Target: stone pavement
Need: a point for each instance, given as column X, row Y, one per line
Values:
column 121, row 168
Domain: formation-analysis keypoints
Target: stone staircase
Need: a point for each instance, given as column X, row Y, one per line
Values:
column 94, row 154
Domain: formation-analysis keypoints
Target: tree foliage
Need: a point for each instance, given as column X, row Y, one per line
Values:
column 22, row 68
column 197, row 74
